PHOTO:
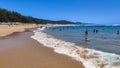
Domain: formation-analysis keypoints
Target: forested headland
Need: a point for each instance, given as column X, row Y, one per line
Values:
column 12, row 16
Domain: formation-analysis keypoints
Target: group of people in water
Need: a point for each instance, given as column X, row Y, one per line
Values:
column 87, row 32
column 94, row 31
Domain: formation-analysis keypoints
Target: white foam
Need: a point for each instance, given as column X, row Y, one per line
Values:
column 89, row 57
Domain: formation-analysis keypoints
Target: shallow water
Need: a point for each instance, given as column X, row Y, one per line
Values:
column 89, row 57
column 106, row 39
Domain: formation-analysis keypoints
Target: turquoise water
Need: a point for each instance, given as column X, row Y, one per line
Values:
column 106, row 39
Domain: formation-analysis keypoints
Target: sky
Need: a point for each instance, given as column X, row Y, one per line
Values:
column 86, row 11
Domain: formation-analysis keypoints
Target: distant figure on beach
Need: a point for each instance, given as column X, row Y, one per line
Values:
column 86, row 35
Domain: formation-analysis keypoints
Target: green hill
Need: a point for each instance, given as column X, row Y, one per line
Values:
column 12, row 16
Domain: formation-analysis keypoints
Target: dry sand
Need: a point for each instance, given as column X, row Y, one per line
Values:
column 20, row 51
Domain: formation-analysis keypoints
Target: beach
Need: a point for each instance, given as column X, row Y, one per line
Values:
column 19, row 50
column 6, row 29
column 53, row 37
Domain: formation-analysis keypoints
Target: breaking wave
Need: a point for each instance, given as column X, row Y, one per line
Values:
column 89, row 57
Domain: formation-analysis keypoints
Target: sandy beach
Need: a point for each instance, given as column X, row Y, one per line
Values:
column 6, row 30
column 18, row 50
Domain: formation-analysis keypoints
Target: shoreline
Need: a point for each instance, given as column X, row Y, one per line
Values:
column 89, row 57
column 23, row 51
column 6, row 30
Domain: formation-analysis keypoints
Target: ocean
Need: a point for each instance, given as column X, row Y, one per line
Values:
column 102, row 50
column 106, row 39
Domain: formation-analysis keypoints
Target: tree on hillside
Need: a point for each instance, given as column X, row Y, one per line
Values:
column 12, row 16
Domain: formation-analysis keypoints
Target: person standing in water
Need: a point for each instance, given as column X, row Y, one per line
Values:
column 86, row 35
column 118, row 32
column 94, row 30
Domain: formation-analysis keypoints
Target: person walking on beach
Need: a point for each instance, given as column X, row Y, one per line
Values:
column 86, row 35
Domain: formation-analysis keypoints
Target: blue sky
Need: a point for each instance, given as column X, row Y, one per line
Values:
column 89, row 11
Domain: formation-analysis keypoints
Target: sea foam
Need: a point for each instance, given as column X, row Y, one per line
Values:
column 89, row 57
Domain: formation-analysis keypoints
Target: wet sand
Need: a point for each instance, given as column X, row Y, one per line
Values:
column 21, row 51
column 6, row 30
